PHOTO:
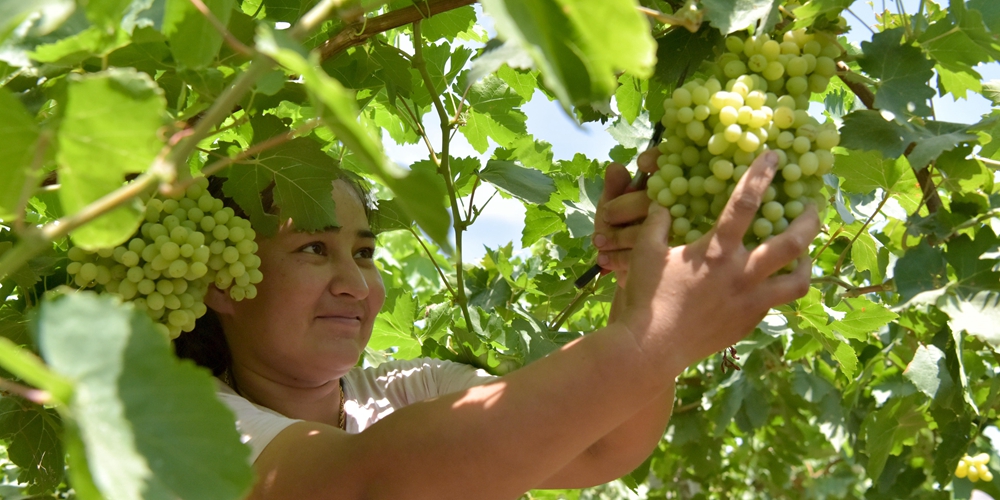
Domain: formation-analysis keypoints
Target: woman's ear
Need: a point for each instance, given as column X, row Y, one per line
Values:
column 219, row 300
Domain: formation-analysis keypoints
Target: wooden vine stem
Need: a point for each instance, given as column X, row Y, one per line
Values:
column 867, row 97
column 361, row 30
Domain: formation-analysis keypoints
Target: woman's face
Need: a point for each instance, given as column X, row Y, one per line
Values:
column 314, row 309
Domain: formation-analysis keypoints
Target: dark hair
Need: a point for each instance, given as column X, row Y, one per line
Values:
column 206, row 345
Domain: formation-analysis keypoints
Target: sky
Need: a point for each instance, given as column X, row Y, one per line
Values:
column 503, row 219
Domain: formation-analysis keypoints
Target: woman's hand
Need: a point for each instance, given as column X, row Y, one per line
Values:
column 620, row 213
column 691, row 301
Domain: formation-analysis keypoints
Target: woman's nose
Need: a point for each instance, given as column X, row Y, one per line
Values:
column 347, row 278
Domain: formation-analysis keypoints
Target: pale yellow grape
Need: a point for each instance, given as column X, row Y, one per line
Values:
column 696, row 186
column 791, row 172
column 87, row 272
column 237, row 293
column 680, row 226
column 794, row 208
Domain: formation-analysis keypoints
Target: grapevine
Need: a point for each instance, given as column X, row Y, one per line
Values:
column 755, row 98
column 186, row 243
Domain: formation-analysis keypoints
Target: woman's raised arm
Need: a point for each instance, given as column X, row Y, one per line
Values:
column 535, row 426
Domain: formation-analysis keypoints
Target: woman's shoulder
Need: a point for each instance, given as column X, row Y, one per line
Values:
column 416, row 378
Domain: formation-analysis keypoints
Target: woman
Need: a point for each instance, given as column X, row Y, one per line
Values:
column 584, row 415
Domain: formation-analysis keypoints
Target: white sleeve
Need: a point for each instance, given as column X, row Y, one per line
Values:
column 257, row 425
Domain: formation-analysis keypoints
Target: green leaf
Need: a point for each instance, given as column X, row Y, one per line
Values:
column 974, row 271
column 881, row 431
column 934, row 138
column 539, row 222
column 389, row 216
column 106, row 13
column 51, row 14
column 152, row 425
column 395, row 72
column 808, row 13
column 341, row 116
column 735, row 15
column 17, row 151
column 449, row 24
column 73, row 50
column 978, row 315
column 32, row 434
column 394, row 326
column 496, row 55
column 580, row 45
column 194, row 42
column 685, row 52
column 629, row 97
column 951, row 46
column 927, row 370
column 862, row 319
column 872, row 131
column 864, row 171
column 480, row 127
column 110, row 127
column 527, row 184
column 923, row 268
column 903, row 72
column 288, row 11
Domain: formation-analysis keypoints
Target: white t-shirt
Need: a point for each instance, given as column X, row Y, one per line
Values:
column 370, row 395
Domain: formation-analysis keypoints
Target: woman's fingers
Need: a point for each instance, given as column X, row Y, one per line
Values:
column 786, row 247
column 647, row 160
column 735, row 219
column 617, row 238
column 785, row 288
column 627, row 209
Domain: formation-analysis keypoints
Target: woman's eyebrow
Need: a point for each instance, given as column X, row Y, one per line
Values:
column 362, row 233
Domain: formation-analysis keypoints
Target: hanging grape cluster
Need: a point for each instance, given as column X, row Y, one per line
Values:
column 755, row 99
column 974, row 468
column 185, row 244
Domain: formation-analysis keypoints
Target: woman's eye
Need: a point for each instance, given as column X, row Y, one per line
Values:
column 365, row 253
column 315, row 247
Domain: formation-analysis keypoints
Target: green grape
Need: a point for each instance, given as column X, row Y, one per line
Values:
column 154, row 301
column 207, row 224
column 88, row 271
column 171, row 302
column 237, row 269
column 762, row 228
column 127, row 289
column 197, row 270
column 186, row 250
column 256, row 276
column 103, row 275
column 230, row 255
column 772, row 211
column 797, row 85
column 242, row 280
column 73, row 268
column 221, row 232
column 680, row 226
column 780, row 225
column 177, row 269
column 791, row 172
column 827, row 139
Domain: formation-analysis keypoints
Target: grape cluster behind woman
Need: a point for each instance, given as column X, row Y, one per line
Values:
column 185, row 244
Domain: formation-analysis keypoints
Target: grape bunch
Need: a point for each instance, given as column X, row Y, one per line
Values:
column 185, row 244
column 974, row 468
column 755, row 98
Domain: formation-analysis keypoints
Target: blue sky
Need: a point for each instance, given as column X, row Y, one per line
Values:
column 502, row 220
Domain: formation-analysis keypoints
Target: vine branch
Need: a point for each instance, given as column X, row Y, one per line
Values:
column 359, row 31
column 37, row 396
column 231, row 40
column 430, row 255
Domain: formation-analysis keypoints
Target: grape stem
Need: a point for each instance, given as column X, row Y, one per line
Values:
column 37, row 396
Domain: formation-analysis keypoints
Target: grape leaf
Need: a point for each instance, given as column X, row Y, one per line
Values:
column 151, row 423
column 527, row 184
column 978, row 315
column 287, row 11
column 303, row 178
column 934, row 138
column 927, row 370
column 389, row 216
column 51, row 14
column 809, row 12
column 449, row 24
column 539, row 222
column 680, row 52
column 110, row 127
column 903, row 72
column 496, row 55
column 341, row 116
column 106, row 13
column 990, row 11
column 394, row 326
column 991, row 91
column 578, row 46
column 629, row 97
column 503, row 128
column 958, row 83
column 882, row 428
column 32, row 435
column 91, row 42
column 973, row 271
column 17, row 151
column 951, row 46
column 735, row 15
column 862, row 319
column 864, row 171
column 869, row 130
column 395, row 72
column 922, row 268
column 194, row 42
